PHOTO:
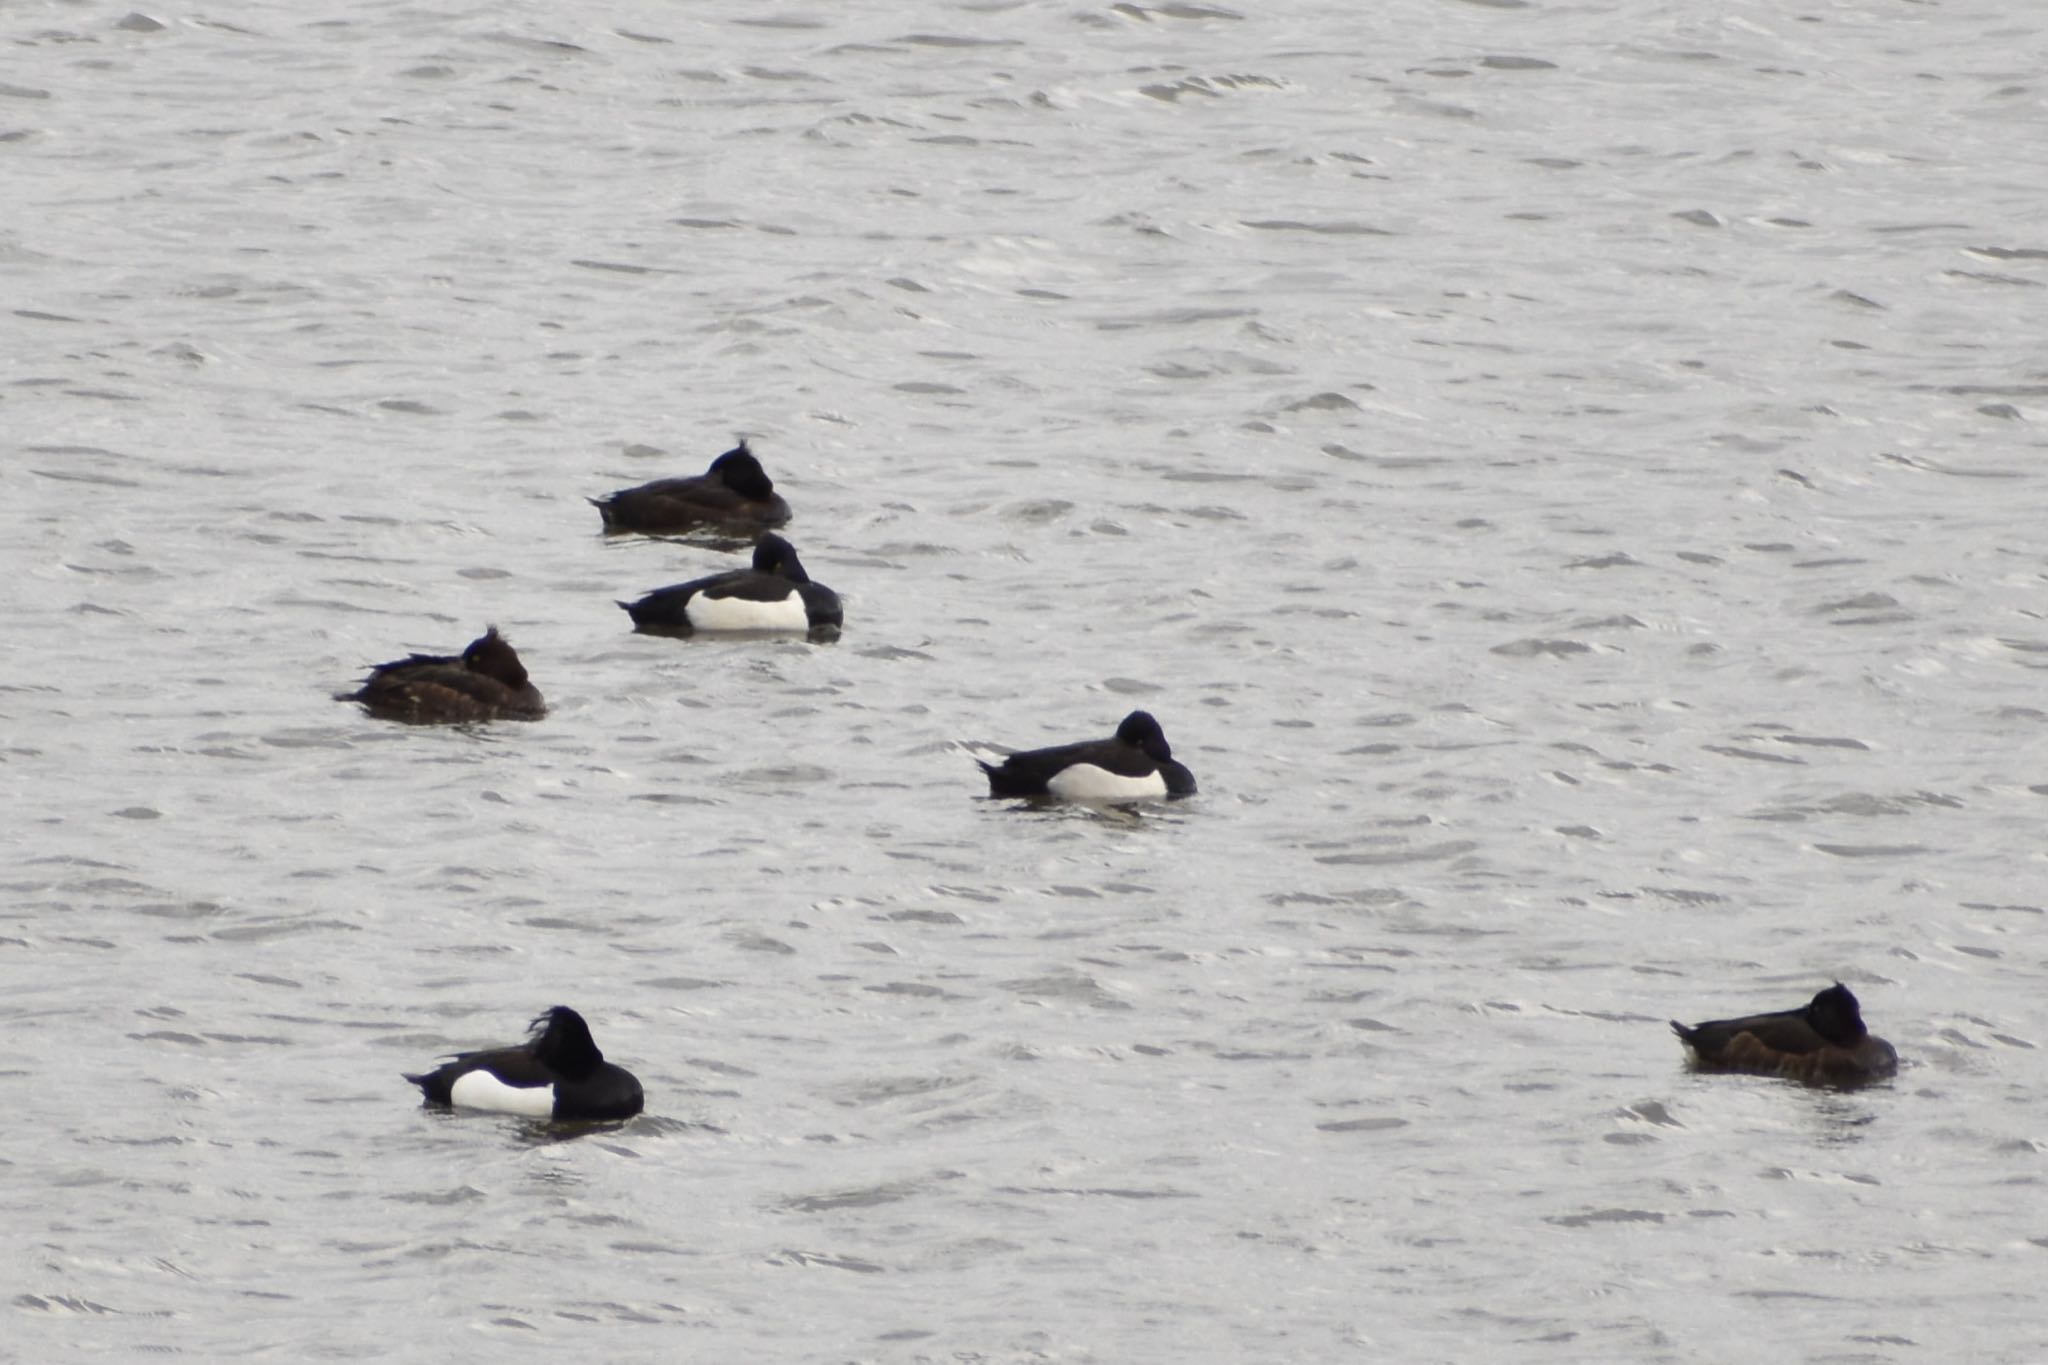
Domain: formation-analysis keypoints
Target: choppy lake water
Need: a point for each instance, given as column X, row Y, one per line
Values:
column 1567, row 477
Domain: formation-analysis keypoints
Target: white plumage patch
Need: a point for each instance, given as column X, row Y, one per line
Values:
column 742, row 613
column 1086, row 782
column 479, row 1089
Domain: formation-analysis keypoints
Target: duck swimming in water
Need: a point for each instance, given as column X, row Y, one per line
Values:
column 735, row 494
column 484, row 682
column 1131, row 765
column 775, row 594
column 1823, row 1042
column 557, row 1074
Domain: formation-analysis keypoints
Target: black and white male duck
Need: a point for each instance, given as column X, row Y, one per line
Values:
column 775, row 594
column 1132, row 765
column 557, row 1074
column 484, row 682
column 1823, row 1042
column 735, row 494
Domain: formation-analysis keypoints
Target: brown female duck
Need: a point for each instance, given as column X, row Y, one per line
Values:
column 484, row 682
column 1823, row 1042
column 735, row 494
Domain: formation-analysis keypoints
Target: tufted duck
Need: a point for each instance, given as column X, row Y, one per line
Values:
column 1821, row 1043
column 1135, row 764
column 485, row 682
column 557, row 1074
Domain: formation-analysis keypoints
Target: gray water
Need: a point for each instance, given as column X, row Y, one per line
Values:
column 1567, row 478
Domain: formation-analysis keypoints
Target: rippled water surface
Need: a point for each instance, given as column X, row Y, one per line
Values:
column 1567, row 477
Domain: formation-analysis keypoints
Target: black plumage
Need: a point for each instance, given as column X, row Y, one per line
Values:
column 1136, row 752
column 735, row 494
column 716, row 602
column 1823, row 1042
column 562, row 1055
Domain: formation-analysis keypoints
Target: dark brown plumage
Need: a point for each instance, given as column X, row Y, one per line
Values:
column 1823, row 1042
column 485, row 682
column 735, row 494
